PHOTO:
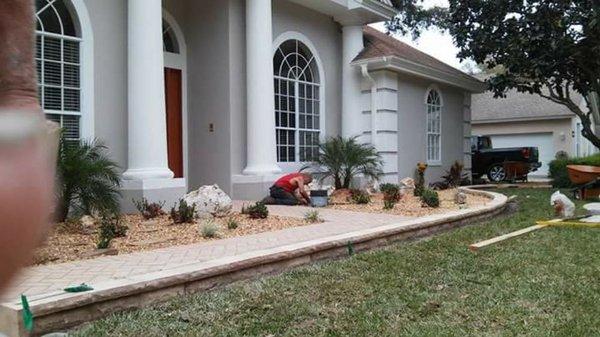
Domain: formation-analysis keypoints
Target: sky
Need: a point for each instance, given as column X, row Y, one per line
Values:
column 432, row 41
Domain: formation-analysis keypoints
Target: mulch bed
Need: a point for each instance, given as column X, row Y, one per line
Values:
column 70, row 243
column 412, row 206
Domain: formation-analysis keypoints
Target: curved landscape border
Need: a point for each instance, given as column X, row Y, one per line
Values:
column 58, row 311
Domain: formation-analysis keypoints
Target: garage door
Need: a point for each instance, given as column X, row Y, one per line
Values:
column 543, row 141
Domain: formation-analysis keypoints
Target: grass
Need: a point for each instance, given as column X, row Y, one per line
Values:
column 546, row 283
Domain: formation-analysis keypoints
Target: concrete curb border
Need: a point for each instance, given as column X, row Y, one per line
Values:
column 60, row 310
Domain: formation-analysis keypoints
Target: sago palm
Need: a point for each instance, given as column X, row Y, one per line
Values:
column 342, row 159
column 88, row 180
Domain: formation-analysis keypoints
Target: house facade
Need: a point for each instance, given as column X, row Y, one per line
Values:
column 236, row 92
column 523, row 119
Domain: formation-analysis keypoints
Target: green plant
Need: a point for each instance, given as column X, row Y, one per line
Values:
column 360, row 197
column 209, row 229
column 313, row 217
column 256, row 211
column 232, row 224
column 110, row 228
column 430, row 198
column 455, row 177
column 183, row 213
column 149, row 210
column 559, row 173
column 342, row 159
column 88, row 182
column 389, row 188
column 388, row 204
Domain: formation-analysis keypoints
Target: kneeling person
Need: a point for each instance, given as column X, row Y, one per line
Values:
column 290, row 190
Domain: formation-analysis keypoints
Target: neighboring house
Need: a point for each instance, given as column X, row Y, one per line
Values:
column 235, row 92
column 523, row 119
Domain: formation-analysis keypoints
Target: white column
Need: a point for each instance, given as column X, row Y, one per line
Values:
column 261, row 144
column 146, row 89
column 351, row 81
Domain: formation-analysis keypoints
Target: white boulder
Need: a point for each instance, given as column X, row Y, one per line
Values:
column 593, row 208
column 407, row 183
column 210, row 200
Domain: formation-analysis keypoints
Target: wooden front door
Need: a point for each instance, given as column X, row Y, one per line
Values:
column 173, row 94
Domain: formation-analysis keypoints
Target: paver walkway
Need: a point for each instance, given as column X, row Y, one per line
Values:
column 40, row 280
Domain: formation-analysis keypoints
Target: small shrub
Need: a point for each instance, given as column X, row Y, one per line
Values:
column 360, row 197
column 183, row 213
column 232, row 224
column 430, row 198
column 88, row 181
column 149, row 210
column 388, row 204
column 312, row 217
column 559, row 173
column 388, row 188
column 209, row 229
column 454, row 177
column 256, row 211
column 110, row 228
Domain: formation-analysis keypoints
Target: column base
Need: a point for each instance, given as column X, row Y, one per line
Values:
column 168, row 191
column 148, row 173
column 261, row 170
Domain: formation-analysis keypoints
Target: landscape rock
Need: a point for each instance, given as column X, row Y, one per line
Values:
column 88, row 224
column 460, row 198
column 593, row 208
column 210, row 200
column 407, row 183
column 592, row 219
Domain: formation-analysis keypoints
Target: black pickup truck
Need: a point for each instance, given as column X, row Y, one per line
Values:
column 489, row 161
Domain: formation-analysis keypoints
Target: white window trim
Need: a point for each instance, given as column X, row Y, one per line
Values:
column 288, row 167
column 179, row 61
column 433, row 87
column 82, row 18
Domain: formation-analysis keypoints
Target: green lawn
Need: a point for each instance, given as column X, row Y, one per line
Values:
column 546, row 283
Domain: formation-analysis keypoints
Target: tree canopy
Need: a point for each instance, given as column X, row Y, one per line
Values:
column 546, row 47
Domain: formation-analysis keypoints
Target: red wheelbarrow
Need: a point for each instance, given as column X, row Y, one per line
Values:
column 587, row 181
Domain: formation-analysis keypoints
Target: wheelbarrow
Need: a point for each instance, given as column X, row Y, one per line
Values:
column 586, row 180
column 515, row 170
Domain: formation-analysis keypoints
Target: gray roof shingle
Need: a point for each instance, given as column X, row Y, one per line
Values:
column 378, row 44
column 516, row 106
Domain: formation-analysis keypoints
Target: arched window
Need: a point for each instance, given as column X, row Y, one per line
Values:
column 170, row 44
column 58, row 65
column 434, row 127
column 297, row 103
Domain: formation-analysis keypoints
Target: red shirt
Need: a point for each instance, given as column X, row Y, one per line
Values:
column 285, row 182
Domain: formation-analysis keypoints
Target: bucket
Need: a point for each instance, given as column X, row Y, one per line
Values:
column 319, row 198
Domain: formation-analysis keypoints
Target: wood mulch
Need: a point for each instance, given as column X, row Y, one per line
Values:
column 412, row 206
column 70, row 242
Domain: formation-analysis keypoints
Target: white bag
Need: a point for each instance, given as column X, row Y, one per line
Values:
column 563, row 206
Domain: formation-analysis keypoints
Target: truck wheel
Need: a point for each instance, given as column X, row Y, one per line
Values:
column 496, row 173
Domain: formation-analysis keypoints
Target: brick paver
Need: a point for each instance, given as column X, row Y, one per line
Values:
column 41, row 280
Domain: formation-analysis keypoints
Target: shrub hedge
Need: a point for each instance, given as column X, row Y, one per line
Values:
column 558, row 169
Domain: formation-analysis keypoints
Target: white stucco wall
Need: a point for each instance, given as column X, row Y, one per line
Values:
column 412, row 126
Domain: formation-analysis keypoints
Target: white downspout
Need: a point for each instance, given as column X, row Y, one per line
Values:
column 371, row 80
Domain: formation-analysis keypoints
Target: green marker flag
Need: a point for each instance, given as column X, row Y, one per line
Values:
column 79, row 288
column 27, row 314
